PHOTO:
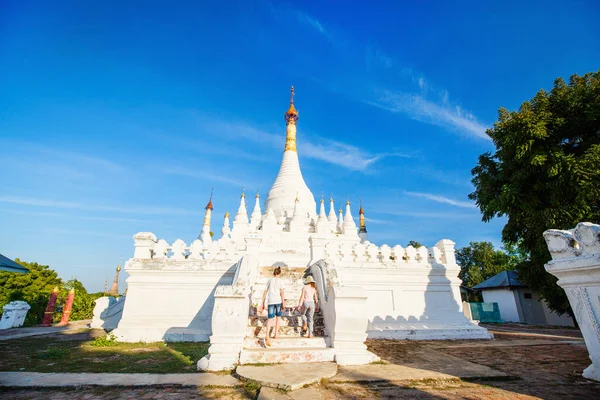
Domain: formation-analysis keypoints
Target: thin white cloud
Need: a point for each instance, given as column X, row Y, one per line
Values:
column 330, row 151
column 442, row 199
column 419, row 108
column 28, row 201
column 378, row 221
column 435, row 215
column 425, row 103
column 313, row 22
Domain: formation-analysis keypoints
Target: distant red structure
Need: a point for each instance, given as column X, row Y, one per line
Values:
column 47, row 321
column 67, row 309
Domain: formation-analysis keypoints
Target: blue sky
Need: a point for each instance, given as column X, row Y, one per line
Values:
column 116, row 119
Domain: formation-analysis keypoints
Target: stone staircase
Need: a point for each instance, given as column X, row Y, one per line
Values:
column 290, row 346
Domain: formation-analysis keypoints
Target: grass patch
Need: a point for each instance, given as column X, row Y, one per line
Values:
column 251, row 388
column 259, row 364
column 380, row 362
column 88, row 352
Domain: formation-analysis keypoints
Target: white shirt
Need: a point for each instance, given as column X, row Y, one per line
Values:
column 273, row 288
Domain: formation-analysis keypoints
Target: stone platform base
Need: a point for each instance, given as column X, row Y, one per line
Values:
column 425, row 331
column 289, row 376
column 286, row 355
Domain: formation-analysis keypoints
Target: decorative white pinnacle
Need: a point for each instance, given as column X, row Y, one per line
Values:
column 241, row 217
column 256, row 213
column 348, row 220
column 340, row 223
column 322, row 215
column 225, row 231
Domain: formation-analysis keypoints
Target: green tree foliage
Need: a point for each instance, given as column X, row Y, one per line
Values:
column 479, row 261
column 34, row 288
column 414, row 244
column 544, row 173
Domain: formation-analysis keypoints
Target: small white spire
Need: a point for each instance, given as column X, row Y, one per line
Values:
column 332, row 219
column 296, row 214
column 256, row 213
column 322, row 214
column 225, row 231
column 270, row 222
column 349, row 224
column 340, row 222
column 242, row 214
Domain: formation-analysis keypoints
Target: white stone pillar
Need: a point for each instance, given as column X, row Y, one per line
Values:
column 350, row 330
column 576, row 264
column 229, row 322
column 144, row 244
column 317, row 248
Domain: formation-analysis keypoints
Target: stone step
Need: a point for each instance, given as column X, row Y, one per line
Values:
column 284, row 331
column 286, row 342
column 287, row 355
column 287, row 320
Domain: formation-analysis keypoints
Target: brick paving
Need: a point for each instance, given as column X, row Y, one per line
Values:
column 539, row 367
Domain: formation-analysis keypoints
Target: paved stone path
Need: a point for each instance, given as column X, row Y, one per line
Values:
column 287, row 376
column 36, row 379
column 18, row 333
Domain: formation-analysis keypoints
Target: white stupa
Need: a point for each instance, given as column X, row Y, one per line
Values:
column 289, row 183
column 209, row 289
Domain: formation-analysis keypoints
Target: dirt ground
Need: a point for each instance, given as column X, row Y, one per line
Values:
column 542, row 363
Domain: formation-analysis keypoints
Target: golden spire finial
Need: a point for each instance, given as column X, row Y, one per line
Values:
column 243, row 194
column 297, row 200
column 209, row 206
column 330, row 196
column 257, row 194
column 227, row 214
column 362, row 224
column 322, row 197
column 291, row 115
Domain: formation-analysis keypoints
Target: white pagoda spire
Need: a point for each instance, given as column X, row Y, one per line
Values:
column 322, row 214
column 289, row 183
column 349, row 224
column 241, row 217
column 340, row 222
column 205, row 234
column 240, row 222
column 256, row 213
column 332, row 218
column 322, row 222
column 225, row 231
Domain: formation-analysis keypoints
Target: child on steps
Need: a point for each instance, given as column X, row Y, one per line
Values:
column 308, row 304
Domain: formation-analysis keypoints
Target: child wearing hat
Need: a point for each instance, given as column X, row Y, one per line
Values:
column 308, row 305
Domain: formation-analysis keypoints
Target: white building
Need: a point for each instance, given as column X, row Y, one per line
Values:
column 208, row 289
column 517, row 302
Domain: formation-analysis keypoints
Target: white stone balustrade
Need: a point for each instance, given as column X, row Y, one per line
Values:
column 148, row 247
column 576, row 263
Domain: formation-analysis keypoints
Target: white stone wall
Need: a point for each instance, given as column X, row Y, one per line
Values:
column 506, row 303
